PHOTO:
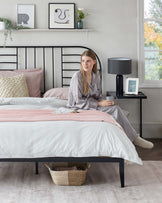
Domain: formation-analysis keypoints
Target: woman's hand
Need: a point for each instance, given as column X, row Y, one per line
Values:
column 106, row 103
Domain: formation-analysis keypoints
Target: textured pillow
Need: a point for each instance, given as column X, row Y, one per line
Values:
column 13, row 86
column 60, row 93
column 33, row 79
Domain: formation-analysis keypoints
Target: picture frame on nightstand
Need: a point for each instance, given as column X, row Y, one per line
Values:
column 131, row 86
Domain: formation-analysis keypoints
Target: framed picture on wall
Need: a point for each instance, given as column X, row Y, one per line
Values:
column 131, row 86
column 61, row 15
column 26, row 15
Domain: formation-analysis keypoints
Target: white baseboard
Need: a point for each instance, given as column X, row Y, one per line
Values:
column 150, row 130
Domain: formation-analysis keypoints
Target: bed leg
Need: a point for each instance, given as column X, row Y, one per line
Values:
column 36, row 168
column 121, row 171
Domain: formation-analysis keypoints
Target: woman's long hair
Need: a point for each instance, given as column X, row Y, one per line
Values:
column 92, row 55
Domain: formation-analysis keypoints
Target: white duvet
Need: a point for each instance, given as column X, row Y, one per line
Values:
column 60, row 138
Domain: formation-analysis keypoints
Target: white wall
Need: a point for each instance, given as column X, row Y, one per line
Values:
column 114, row 24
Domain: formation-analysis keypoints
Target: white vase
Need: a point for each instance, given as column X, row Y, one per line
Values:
column 2, row 25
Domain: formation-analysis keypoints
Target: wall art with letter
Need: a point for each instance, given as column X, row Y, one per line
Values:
column 25, row 15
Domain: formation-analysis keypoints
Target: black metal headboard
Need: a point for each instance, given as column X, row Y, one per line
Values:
column 56, row 61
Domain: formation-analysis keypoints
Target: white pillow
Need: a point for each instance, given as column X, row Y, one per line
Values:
column 53, row 102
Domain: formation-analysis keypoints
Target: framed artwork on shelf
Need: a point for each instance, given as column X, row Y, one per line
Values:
column 26, row 15
column 61, row 15
column 131, row 86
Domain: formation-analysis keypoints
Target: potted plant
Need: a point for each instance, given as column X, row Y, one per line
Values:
column 8, row 26
column 81, row 16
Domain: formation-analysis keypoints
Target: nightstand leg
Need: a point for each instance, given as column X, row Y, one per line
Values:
column 36, row 168
column 140, row 117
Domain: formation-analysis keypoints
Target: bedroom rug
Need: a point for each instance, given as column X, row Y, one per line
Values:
column 19, row 184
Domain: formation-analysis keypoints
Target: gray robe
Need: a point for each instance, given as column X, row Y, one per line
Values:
column 77, row 100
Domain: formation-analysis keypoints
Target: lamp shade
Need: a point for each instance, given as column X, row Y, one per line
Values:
column 120, row 66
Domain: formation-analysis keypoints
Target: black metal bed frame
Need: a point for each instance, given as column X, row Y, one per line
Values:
column 64, row 54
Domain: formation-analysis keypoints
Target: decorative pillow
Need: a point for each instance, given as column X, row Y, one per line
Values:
column 33, row 79
column 13, row 86
column 60, row 93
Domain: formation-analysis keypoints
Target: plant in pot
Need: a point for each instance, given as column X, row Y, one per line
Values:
column 81, row 16
column 7, row 26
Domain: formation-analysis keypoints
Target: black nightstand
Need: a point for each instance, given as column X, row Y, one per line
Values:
column 139, row 96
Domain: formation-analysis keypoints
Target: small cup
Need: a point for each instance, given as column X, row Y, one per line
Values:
column 110, row 98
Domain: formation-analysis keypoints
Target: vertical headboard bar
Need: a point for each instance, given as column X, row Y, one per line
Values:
column 44, row 66
column 53, row 81
column 26, row 57
column 35, row 57
column 100, row 69
column 17, row 61
column 62, row 67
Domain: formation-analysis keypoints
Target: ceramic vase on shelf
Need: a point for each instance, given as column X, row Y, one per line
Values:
column 80, row 24
column 2, row 25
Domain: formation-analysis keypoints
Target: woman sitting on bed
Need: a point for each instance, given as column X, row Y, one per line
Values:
column 85, row 93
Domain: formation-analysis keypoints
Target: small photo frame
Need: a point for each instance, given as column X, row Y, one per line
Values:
column 61, row 15
column 131, row 86
column 25, row 15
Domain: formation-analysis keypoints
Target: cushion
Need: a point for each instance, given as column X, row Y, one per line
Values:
column 60, row 93
column 13, row 86
column 33, row 79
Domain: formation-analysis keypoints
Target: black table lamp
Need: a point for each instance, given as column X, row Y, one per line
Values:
column 120, row 66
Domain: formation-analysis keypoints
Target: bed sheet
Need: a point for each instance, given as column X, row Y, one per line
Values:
column 60, row 138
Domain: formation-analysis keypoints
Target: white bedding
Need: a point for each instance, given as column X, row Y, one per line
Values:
column 60, row 138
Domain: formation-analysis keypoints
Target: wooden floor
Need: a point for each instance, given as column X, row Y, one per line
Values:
column 151, row 154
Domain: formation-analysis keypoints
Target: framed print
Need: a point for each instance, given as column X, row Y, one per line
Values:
column 61, row 15
column 131, row 86
column 25, row 15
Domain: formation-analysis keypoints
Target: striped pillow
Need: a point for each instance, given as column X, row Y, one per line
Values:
column 13, row 86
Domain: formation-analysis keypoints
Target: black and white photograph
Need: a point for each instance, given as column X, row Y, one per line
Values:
column 25, row 15
column 61, row 15
column 131, row 86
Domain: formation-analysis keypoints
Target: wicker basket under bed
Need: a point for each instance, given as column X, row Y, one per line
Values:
column 69, row 177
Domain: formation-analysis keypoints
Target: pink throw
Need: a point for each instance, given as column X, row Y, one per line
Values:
column 35, row 115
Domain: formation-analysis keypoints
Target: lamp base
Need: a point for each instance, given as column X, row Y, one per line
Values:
column 119, row 85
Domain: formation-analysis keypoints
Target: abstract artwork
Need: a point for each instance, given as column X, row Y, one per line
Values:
column 61, row 15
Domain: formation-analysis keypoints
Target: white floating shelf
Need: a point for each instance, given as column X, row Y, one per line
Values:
column 53, row 30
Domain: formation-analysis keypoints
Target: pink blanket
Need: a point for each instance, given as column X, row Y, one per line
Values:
column 25, row 115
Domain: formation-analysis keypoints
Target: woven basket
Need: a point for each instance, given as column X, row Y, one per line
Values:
column 69, row 177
